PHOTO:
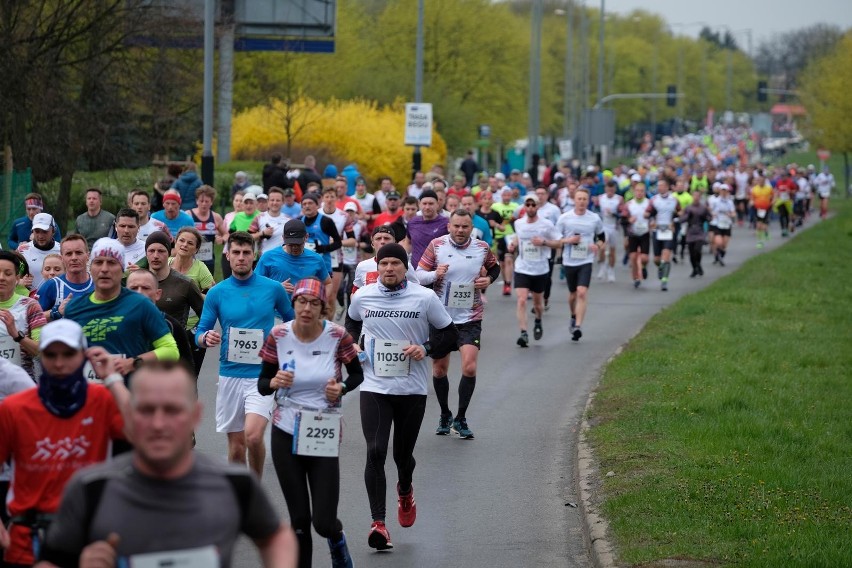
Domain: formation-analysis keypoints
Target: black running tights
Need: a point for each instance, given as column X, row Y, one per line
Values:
column 378, row 412
column 299, row 474
column 695, row 254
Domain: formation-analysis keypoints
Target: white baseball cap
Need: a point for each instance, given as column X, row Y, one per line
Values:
column 43, row 221
column 65, row 331
column 350, row 206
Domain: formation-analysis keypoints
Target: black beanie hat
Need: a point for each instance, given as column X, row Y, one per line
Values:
column 392, row 250
column 428, row 193
column 158, row 237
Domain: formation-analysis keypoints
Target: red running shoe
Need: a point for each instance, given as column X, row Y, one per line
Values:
column 379, row 537
column 507, row 290
column 407, row 510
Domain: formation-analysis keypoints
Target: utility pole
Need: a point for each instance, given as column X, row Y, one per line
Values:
column 535, row 82
column 207, row 163
column 417, row 158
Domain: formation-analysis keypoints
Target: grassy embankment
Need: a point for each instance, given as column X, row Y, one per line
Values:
column 728, row 420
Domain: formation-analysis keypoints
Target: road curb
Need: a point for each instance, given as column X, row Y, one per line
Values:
column 596, row 526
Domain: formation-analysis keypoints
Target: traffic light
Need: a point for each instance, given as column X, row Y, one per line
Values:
column 761, row 92
column 671, row 95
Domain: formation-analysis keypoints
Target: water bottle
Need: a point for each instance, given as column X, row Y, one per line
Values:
column 289, row 366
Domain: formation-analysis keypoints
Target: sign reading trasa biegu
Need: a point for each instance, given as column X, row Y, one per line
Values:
column 418, row 124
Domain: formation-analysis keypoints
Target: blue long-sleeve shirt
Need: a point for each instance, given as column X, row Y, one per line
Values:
column 247, row 308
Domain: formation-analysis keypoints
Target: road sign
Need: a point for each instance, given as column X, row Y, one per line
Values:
column 823, row 155
column 484, row 131
column 599, row 126
column 418, row 124
column 566, row 149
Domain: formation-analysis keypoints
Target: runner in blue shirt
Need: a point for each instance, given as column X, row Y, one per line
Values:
column 292, row 262
column 245, row 306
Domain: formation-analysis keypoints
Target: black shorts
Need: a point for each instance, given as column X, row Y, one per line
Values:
column 660, row 246
column 535, row 284
column 338, row 268
column 502, row 248
column 722, row 232
column 740, row 201
column 642, row 244
column 470, row 333
column 578, row 276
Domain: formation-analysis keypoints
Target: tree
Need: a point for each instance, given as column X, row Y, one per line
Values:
column 825, row 87
column 786, row 55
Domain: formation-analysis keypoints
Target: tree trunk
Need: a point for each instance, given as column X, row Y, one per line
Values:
column 63, row 198
column 846, row 175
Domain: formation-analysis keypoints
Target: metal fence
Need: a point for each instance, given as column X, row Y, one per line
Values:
column 13, row 188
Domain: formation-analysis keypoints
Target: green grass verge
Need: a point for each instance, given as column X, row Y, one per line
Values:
column 727, row 420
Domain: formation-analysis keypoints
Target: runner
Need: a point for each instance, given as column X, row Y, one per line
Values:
column 53, row 430
column 55, row 293
column 302, row 361
column 367, row 271
column 323, row 234
column 761, row 200
column 127, row 236
column 685, row 200
column 268, row 228
column 22, row 227
column 350, row 254
column 241, row 412
column 503, row 214
column 42, row 245
column 122, row 322
column 724, row 211
column 21, row 318
column 481, row 228
column 94, row 223
column 664, row 209
column 638, row 239
column 533, row 233
column 694, row 217
column 293, row 262
column 395, row 319
column 609, row 205
column 423, row 228
column 171, row 215
column 209, row 224
column 583, row 232
column 824, row 183
column 460, row 268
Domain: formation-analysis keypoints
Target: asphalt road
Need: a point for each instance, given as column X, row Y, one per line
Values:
column 499, row 500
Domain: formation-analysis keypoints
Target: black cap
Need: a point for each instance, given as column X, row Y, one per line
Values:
column 313, row 197
column 384, row 229
column 392, row 195
column 294, row 232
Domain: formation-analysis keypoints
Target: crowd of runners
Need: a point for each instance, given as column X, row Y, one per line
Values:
column 105, row 332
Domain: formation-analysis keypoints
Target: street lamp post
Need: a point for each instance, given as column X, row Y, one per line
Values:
column 535, row 82
column 417, row 158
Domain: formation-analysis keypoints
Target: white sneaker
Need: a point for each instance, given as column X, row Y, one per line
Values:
column 602, row 272
column 610, row 274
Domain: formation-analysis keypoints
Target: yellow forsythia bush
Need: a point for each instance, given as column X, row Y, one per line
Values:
column 357, row 131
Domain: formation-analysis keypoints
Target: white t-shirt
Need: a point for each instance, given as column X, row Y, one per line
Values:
column 711, row 204
column 414, row 191
column 741, row 179
column 722, row 209
column 665, row 209
column 367, row 272
column 533, row 259
column 350, row 254
column 401, row 315
column 149, row 227
column 824, row 183
column 549, row 211
column 133, row 252
column 35, row 260
column 609, row 207
column 636, row 210
column 587, row 225
column 277, row 224
column 455, row 289
column 315, row 363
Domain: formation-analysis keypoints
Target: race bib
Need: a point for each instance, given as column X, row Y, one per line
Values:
column 784, row 196
column 530, row 251
column 723, row 221
column 310, row 245
column 580, row 251
column 640, row 227
column 244, row 345
column 205, row 251
column 761, row 213
column 458, row 295
column 316, row 433
column 204, row 557
column 89, row 371
column 665, row 234
column 10, row 350
column 335, row 259
column 388, row 358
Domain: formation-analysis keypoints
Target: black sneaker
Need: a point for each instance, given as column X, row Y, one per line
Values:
column 577, row 334
column 461, row 429
column 524, row 339
column 644, row 273
column 444, row 423
column 538, row 331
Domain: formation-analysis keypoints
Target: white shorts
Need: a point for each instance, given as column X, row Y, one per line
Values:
column 611, row 235
column 237, row 397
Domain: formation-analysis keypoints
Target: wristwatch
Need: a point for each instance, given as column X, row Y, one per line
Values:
column 137, row 362
column 20, row 337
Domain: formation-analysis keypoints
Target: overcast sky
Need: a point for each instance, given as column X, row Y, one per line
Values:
column 764, row 17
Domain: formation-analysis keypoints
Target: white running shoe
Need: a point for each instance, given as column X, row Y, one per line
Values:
column 602, row 272
column 610, row 274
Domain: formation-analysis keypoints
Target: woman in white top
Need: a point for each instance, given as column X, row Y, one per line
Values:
column 302, row 362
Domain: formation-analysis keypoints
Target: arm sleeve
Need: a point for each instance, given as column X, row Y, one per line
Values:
column 165, row 348
column 329, row 228
column 355, row 375
column 267, row 371
column 353, row 322
column 426, row 267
